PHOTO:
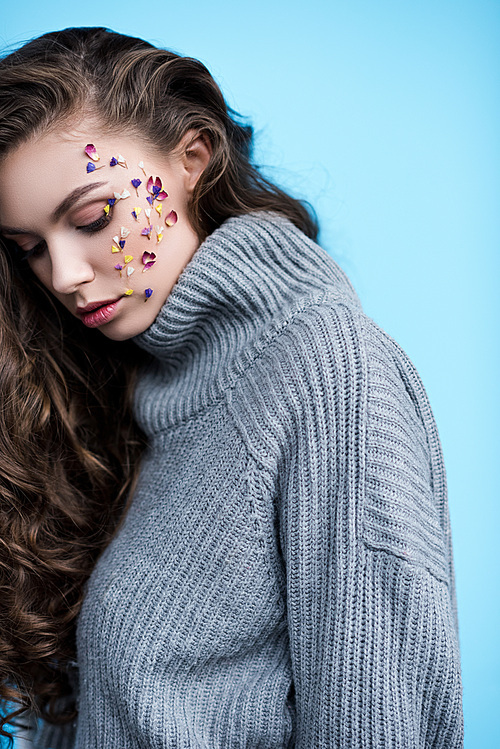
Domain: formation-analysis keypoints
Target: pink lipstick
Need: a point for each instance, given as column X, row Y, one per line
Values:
column 98, row 313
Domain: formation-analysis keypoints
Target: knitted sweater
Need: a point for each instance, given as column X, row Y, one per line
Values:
column 284, row 575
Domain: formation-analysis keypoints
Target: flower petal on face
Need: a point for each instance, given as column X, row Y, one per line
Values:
column 129, row 292
column 111, row 201
column 113, row 162
column 147, row 293
column 124, row 232
column 121, row 243
column 135, row 213
column 106, row 210
column 90, row 167
column 115, row 249
column 171, row 219
column 150, row 200
column 121, row 161
column 146, row 232
column 91, row 152
column 162, row 195
column 150, row 184
column 118, row 266
column 147, row 211
column 148, row 256
column 158, row 209
column 128, row 259
column 136, row 183
column 159, row 237
column 116, row 239
column 141, row 166
column 122, row 195
column 130, row 270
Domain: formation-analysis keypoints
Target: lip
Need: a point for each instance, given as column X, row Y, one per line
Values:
column 91, row 306
column 95, row 314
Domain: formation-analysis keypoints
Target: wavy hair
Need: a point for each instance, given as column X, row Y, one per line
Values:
column 69, row 446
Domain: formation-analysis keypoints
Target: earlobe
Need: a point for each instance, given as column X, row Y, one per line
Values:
column 196, row 158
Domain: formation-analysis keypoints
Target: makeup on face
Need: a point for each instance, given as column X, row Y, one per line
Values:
column 94, row 239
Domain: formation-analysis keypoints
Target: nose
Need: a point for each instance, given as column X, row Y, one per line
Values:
column 69, row 267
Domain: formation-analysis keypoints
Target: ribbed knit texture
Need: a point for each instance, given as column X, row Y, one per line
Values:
column 284, row 575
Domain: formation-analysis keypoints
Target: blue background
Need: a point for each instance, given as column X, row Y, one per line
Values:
column 385, row 116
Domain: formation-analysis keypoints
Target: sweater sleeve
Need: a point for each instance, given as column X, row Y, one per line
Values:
column 372, row 631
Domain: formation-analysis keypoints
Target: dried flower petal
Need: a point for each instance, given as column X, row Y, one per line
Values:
column 91, row 152
column 147, row 211
column 136, row 183
column 113, row 161
column 122, row 195
column 90, row 167
column 141, row 166
column 122, row 243
column 147, row 293
column 121, row 161
column 115, row 249
column 129, row 292
column 130, row 270
column 146, row 231
column 124, row 232
column 162, row 195
column 118, row 266
column 135, row 213
column 171, row 219
column 128, row 259
column 116, row 239
column 158, row 209
column 150, row 200
column 148, row 259
column 106, row 210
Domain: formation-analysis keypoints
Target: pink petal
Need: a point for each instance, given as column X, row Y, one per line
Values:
column 150, row 184
column 148, row 257
column 91, row 152
column 162, row 195
column 171, row 219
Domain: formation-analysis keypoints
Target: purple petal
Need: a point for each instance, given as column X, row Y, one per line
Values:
column 122, row 243
column 136, row 183
column 90, row 167
column 113, row 162
column 148, row 292
column 150, row 200
column 111, row 201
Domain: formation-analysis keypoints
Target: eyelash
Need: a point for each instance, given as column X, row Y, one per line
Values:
column 95, row 226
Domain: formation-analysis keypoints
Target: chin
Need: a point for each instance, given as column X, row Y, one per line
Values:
column 121, row 332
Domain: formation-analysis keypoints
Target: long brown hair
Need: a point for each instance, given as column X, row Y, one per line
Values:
column 69, row 447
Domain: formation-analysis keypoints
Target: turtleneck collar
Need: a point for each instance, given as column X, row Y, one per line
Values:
column 245, row 280
column 248, row 271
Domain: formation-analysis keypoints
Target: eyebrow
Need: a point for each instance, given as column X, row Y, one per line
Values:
column 75, row 195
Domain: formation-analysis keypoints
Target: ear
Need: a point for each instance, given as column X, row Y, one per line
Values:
column 196, row 154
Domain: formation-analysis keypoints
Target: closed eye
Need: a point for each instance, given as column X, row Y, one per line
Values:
column 91, row 228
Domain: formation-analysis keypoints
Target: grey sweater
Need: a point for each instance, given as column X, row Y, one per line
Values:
column 284, row 575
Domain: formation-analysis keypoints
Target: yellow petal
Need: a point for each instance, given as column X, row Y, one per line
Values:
column 115, row 249
column 128, row 258
column 129, row 292
column 158, row 208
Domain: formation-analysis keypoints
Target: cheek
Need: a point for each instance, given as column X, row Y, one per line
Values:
column 41, row 268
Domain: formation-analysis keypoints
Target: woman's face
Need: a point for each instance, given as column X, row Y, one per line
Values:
column 86, row 226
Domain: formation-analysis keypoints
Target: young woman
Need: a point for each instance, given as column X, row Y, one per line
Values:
column 223, row 503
